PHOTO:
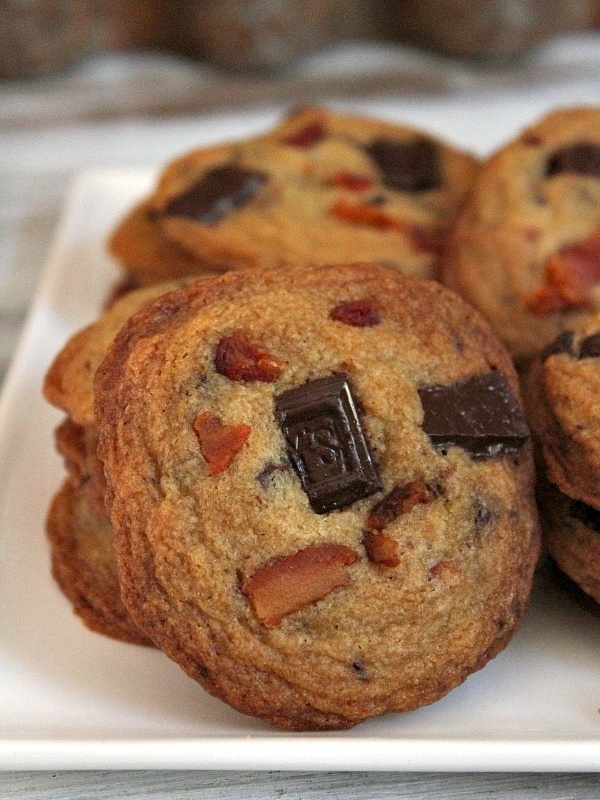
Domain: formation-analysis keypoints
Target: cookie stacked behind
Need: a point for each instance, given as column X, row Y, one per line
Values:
column 321, row 487
column 525, row 249
column 320, row 187
column 78, row 528
column 562, row 393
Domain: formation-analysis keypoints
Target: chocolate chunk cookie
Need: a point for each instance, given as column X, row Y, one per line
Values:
column 84, row 566
column 148, row 257
column 77, row 525
column 293, row 525
column 572, row 537
column 320, row 187
column 563, row 389
column 525, row 249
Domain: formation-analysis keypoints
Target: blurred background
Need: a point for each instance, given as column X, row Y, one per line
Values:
column 40, row 36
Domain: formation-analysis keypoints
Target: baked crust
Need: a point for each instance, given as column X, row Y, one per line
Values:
column 188, row 540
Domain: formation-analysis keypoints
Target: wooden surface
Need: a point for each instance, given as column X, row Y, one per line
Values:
column 104, row 115
column 294, row 786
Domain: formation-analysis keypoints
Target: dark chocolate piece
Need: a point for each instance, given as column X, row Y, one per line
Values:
column 326, row 444
column 480, row 414
column 410, row 166
column 266, row 477
column 590, row 347
column 562, row 344
column 589, row 515
column 221, row 191
column 582, row 158
column 482, row 517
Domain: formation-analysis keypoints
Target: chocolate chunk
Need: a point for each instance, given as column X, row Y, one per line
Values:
column 562, row 344
column 482, row 517
column 479, row 414
column 326, row 444
column 409, row 166
column 359, row 670
column 589, row 515
column 590, row 347
column 582, row 158
column 221, row 190
column 266, row 477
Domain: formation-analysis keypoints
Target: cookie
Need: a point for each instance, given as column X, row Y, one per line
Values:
column 299, row 524
column 68, row 383
column 77, row 524
column 146, row 255
column 84, row 566
column 525, row 249
column 562, row 398
column 320, row 187
column 572, row 538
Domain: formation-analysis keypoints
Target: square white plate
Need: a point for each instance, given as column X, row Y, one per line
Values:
column 70, row 698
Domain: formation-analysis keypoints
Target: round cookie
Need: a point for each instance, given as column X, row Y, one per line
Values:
column 321, row 487
column 572, row 537
column 83, row 565
column 68, row 383
column 562, row 400
column 525, row 249
column 139, row 245
column 77, row 524
column 321, row 187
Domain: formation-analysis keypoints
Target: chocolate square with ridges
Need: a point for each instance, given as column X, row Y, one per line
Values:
column 326, row 443
column 480, row 414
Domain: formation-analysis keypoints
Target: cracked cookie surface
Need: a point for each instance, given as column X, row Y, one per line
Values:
column 286, row 529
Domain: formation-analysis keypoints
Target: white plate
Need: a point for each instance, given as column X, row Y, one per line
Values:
column 70, row 698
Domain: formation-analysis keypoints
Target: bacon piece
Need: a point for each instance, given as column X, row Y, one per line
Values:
column 219, row 444
column 295, row 581
column 240, row 359
column 400, row 500
column 359, row 313
column 308, row 136
column 351, row 181
column 381, row 548
column 570, row 274
column 373, row 217
column 427, row 241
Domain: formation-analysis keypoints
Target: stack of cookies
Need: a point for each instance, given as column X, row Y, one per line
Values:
column 563, row 389
column 301, row 467
column 525, row 251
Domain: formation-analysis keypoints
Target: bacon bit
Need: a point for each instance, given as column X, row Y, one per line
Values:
column 426, row 241
column 362, row 214
column 219, row 444
column 359, row 313
column 240, row 359
column 295, row 581
column 351, row 181
column 532, row 235
column 570, row 274
column 381, row 548
column 307, row 136
column 446, row 571
column 400, row 500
